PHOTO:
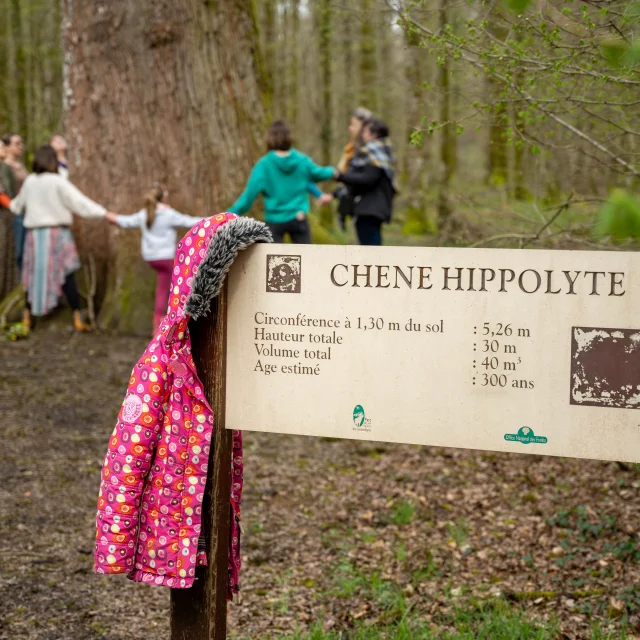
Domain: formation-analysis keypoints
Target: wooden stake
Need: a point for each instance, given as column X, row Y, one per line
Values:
column 200, row 613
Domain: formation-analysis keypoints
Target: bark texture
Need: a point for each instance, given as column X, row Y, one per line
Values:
column 167, row 90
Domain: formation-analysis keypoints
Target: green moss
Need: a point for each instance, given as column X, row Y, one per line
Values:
column 128, row 307
column 320, row 234
column 417, row 222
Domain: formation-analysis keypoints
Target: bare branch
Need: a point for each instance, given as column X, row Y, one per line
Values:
column 530, row 99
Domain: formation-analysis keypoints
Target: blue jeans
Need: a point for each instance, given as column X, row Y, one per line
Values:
column 369, row 230
column 18, row 239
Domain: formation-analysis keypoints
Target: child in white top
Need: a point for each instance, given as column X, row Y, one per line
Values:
column 157, row 222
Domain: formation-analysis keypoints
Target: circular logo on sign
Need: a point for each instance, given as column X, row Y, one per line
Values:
column 358, row 415
column 131, row 408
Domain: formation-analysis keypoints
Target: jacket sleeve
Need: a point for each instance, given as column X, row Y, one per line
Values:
column 252, row 191
column 318, row 174
column 18, row 203
column 313, row 190
column 133, row 221
column 129, row 457
column 8, row 179
column 366, row 176
column 77, row 202
column 178, row 219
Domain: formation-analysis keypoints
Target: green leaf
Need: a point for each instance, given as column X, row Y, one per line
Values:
column 518, row 6
column 416, row 139
column 619, row 216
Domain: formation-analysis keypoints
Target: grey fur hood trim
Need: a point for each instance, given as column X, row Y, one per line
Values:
column 230, row 238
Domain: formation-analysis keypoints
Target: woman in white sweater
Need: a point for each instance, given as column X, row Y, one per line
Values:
column 157, row 222
column 48, row 202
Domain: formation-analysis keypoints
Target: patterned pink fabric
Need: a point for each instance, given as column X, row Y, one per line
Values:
column 154, row 474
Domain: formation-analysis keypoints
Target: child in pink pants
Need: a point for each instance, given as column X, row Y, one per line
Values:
column 157, row 222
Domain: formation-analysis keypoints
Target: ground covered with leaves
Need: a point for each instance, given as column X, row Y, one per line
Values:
column 342, row 539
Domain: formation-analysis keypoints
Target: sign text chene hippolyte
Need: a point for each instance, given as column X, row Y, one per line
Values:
column 509, row 350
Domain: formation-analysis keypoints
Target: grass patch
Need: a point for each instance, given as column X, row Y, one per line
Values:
column 489, row 620
column 403, row 513
column 392, row 614
column 459, row 532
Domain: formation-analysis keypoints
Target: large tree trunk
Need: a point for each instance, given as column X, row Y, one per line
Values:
column 166, row 90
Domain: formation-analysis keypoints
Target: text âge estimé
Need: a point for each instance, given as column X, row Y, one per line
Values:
column 549, row 281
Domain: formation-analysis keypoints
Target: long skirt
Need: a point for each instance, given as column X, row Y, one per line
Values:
column 50, row 255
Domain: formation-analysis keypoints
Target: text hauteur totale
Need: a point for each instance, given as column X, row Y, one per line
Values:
column 548, row 281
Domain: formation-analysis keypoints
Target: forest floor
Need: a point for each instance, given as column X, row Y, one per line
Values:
column 342, row 539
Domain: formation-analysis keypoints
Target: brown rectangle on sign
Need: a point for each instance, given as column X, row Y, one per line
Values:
column 284, row 274
column 605, row 367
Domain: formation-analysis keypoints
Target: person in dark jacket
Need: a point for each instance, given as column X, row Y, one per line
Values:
column 370, row 179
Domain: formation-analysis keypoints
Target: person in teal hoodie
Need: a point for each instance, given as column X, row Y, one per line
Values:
column 282, row 177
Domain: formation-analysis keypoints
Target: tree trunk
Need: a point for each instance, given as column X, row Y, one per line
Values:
column 349, row 94
column 8, row 268
column 324, row 19
column 52, row 68
column 324, row 46
column 415, row 172
column 270, row 55
column 520, row 191
column 368, row 84
column 498, row 156
column 387, row 63
column 448, row 147
column 498, row 152
column 16, row 67
column 294, row 47
column 282, row 60
column 168, row 91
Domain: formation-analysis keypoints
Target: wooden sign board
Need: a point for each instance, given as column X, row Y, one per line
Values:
column 505, row 350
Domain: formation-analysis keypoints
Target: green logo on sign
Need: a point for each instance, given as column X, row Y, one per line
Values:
column 358, row 415
column 526, row 436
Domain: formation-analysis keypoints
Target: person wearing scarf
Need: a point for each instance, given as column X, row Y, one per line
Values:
column 359, row 119
column 370, row 179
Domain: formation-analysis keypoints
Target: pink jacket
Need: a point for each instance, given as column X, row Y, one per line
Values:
column 154, row 473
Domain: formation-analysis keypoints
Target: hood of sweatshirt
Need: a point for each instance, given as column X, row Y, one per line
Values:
column 288, row 163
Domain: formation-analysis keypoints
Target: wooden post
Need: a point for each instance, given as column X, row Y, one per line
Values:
column 200, row 613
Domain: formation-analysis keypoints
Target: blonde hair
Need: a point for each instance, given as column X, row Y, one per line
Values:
column 151, row 200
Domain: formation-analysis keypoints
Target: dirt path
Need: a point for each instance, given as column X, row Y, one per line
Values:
column 336, row 531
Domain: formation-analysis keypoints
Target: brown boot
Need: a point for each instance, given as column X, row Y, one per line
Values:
column 78, row 325
column 26, row 320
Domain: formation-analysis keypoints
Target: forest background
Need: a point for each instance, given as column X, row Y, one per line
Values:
column 513, row 121
column 516, row 124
